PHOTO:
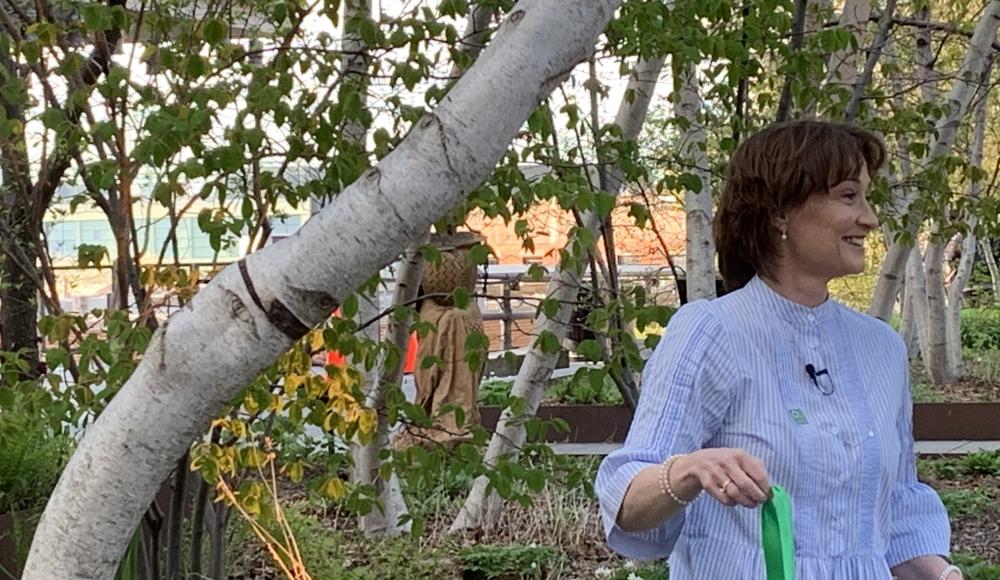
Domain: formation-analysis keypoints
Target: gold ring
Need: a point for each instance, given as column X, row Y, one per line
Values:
column 725, row 486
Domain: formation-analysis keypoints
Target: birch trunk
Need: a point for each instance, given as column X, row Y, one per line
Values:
column 937, row 354
column 991, row 262
column 956, row 366
column 483, row 504
column 700, row 246
column 907, row 327
column 225, row 336
column 916, row 287
column 878, row 44
column 843, row 65
column 980, row 48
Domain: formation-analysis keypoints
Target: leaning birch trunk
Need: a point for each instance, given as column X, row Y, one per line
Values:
column 956, row 366
column 211, row 349
column 986, row 246
column 700, row 247
column 483, row 504
column 980, row 48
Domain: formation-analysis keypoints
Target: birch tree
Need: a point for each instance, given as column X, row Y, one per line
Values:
column 960, row 279
column 254, row 310
column 980, row 47
column 483, row 503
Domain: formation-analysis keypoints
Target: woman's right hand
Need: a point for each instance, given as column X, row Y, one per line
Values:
column 731, row 476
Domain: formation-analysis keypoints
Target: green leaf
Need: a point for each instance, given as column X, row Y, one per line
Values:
column 589, row 349
column 604, row 204
column 549, row 307
column 214, row 31
column 460, row 298
column 349, row 309
column 479, row 254
column 691, row 182
column 548, row 342
column 91, row 255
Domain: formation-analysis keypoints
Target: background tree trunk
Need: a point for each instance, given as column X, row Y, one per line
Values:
column 700, row 246
column 955, row 289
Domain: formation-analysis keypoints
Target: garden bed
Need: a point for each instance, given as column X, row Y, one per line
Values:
column 559, row 535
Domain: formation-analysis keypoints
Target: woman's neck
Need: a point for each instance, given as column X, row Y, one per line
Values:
column 805, row 290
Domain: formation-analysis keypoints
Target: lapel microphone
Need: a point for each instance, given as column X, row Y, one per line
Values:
column 820, row 378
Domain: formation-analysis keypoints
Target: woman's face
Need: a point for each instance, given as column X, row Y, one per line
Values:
column 826, row 234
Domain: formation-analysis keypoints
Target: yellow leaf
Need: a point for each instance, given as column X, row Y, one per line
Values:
column 333, row 488
column 316, row 341
column 293, row 382
column 366, row 421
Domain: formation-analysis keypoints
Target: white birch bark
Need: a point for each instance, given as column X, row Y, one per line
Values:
column 937, row 354
column 916, row 288
column 878, row 44
column 956, row 366
column 907, row 327
column 700, row 246
column 483, row 504
column 976, row 57
column 986, row 246
column 221, row 340
column 843, row 65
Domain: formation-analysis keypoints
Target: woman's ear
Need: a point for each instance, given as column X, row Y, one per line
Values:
column 780, row 222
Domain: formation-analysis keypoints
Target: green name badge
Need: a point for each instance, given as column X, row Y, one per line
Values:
column 798, row 415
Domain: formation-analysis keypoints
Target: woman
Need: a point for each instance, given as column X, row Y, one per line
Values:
column 776, row 383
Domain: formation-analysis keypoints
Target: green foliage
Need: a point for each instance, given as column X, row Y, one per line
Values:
column 981, row 328
column 32, row 455
column 965, row 502
column 978, row 463
column 486, row 562
column 975, row 568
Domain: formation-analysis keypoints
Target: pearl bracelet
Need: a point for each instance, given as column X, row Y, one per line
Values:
column 664, row 478
column 948, row 570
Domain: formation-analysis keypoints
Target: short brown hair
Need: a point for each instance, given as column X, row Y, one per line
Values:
column 775, row 171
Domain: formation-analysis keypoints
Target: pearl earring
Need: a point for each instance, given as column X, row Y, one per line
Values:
column 784, row 235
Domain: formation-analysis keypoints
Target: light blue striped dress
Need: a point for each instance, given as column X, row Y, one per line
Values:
column 731, row 373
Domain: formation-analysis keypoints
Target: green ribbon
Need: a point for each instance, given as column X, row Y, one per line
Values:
column 776, row 535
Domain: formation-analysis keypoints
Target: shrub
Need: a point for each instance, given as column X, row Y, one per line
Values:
column 981, row 328
column 31, row 458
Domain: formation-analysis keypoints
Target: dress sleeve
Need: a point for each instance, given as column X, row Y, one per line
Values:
column 686, row 389
column 920, row 525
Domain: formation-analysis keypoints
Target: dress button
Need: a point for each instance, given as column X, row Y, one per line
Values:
column 871, row 433
column 843, row 477
column 835, row 430
column 837, row 524
column 811, row 317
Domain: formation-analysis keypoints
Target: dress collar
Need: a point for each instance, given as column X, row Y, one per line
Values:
column 789, row 309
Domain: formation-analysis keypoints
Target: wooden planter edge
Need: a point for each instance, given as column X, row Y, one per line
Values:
column 610, row 423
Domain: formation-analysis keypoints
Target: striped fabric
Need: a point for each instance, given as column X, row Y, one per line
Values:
column 731, row 373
